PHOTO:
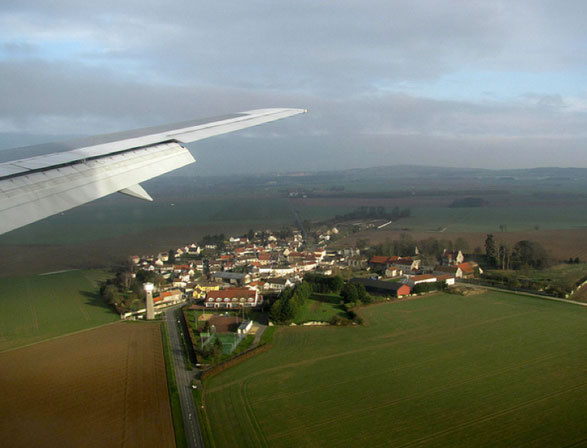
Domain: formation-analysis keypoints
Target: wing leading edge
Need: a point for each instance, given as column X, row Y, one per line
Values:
column 35, row 188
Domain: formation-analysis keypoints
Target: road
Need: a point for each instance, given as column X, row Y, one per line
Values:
column 184, row 378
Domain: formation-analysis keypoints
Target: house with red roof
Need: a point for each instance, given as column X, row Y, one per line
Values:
column 380, row 263
column 468, row 271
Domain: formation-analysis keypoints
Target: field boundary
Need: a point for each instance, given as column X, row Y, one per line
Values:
column 52, row 338
column 234, row 361
column 523, row 293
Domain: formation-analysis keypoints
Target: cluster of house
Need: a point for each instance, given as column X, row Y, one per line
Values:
column 452, row 267
column 243, row 270
column 238, row 274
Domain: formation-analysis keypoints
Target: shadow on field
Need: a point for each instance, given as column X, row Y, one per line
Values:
column 95, row 299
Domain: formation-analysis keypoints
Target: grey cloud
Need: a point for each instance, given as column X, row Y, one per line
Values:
column 140, row 63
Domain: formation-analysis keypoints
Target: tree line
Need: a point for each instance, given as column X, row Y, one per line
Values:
column 374, row 212
column 523, row 254
column 290, row 301
column 429, row 249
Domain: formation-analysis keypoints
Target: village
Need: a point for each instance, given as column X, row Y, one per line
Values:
column 231, row 281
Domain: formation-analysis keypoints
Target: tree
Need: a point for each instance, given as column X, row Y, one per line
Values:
column 217, row 349
column 171, row 256
column 349, row 293
column 362, row 243
column 529, row 254
column 461, row 244
column 504, row 256
column 110, row 294
column 490, row 250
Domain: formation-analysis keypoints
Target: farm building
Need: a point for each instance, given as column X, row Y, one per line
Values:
column 394, row 289
column 455, row 271
column 233, row 298
column 381, row 263
column 417, row 279
column 414, row 280
column 278, row 284
column 169, row 297
column 467, row 269
column 407, row 264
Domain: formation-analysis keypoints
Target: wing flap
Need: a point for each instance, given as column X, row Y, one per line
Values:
column 28, row 198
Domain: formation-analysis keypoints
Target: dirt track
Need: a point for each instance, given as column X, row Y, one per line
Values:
column 100, row 388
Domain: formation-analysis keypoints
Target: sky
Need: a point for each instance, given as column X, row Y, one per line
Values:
column 490, row 84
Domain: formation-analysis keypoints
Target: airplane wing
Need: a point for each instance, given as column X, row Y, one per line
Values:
column 84, row 170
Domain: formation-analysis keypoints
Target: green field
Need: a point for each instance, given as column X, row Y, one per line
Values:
column 320, row 308
column 34, row 308
column 495, row 369
column 115, row 216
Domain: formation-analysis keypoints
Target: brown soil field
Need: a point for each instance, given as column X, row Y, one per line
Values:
column 561, row 244
column 99, row 388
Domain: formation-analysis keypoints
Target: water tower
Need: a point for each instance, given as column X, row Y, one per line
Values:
column 149, row 293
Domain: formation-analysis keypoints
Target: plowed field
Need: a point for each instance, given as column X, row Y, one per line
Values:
column 100, row 388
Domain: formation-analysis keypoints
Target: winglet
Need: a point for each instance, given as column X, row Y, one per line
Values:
column 136, row 191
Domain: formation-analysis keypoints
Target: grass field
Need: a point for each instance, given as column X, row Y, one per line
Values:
column 495, row 369
column 39, row 307
column 100, row 388
column 320, row 308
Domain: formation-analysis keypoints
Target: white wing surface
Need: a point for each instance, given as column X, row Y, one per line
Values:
column 84, row 170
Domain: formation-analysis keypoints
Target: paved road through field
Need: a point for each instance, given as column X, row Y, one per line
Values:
column 184, row 383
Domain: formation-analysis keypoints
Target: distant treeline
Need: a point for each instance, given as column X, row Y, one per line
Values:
column 401, row 193
column 430, row 249
column 364, row 212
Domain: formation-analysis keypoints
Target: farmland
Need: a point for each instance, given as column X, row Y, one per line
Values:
column 102, row 387
column 444, row 370
column 187, row 208
column 39, row 307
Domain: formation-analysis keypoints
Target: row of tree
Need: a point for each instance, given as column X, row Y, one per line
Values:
column 523, row 254
column 374, row 212
column 429, row 286
column 125, row 291
column 429, row 249
column 290, row 301
column 352, row 293
column 324, row 284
